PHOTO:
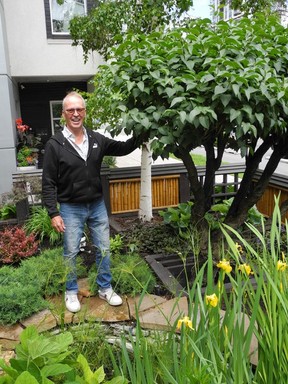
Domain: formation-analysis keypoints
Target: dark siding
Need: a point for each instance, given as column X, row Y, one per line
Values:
column 35, row 107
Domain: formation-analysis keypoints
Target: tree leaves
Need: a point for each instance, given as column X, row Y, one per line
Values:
column 249, row 7
column 109, row 22
column 220, row 85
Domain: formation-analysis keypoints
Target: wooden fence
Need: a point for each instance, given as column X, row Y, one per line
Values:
column 278, row 185
column 170, row 185
column 125, row 193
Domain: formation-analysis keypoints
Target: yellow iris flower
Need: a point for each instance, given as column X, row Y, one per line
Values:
column 225, row 265
column 186, row 321
column 212, row 300
column 245, row 268
column 239, row 247
column 281, row 266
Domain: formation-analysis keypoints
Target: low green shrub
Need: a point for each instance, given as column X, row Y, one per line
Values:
column 110, row 161
column 47, row 269
column 39, row 223
column 23, row 289
column 180, row 217
column 8, row 211
column 19, row 300
column 130, row 272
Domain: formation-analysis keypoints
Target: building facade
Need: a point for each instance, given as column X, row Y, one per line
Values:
column 38, row 66
column 223, row 12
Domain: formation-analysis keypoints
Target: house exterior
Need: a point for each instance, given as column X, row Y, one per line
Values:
column 38, row 66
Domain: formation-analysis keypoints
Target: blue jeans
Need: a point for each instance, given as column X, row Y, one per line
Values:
column 75, row 216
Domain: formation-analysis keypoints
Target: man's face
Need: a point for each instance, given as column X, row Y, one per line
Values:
column 74, row 113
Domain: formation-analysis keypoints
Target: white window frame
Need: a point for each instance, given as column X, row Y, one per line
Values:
column 54, row 118
column 65, row 7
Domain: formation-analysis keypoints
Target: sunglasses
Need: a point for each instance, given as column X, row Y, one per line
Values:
column 71, row 111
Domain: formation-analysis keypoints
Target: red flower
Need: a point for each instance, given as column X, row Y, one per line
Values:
column 20, row 126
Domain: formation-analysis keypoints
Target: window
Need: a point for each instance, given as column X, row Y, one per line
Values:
column 56, row 114
column 58, row 15
column 62, row 14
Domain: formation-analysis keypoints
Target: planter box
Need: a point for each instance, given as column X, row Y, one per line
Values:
column 27, row 169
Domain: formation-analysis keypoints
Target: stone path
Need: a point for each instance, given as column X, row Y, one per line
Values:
column 153, row 312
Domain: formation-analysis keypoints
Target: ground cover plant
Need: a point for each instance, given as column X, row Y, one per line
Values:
column 23, row 288
column 26, row 285
column 129, row 270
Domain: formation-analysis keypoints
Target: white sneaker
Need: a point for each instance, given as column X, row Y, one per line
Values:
column 110, row 296
column 72, row 302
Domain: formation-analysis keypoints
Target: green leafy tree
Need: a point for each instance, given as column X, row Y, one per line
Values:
column 251, row 6
column 107, row 25
column 222, row 86
column 111, row 18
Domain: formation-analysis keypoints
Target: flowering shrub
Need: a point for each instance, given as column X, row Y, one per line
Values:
column 27, row 153
column 15, row 245
column 20, row 126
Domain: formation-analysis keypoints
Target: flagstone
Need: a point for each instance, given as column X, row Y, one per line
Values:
column 59, row 311
column 43, row 321
column 10, row 332
column 99, row 310
column 164, row 315
column 141, row 304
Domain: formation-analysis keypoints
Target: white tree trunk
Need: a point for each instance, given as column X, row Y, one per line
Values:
column 145, row 209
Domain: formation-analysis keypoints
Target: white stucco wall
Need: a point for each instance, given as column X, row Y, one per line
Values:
column 32, row 54
column 7, row 111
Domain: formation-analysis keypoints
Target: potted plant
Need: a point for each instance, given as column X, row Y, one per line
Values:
column 27, row 151
column 27, row 157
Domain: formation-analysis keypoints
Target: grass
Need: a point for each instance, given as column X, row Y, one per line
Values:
column 198, row 159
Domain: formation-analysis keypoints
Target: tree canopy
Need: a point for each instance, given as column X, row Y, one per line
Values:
column 249, row 7
column 110, row 18
column 219, row 86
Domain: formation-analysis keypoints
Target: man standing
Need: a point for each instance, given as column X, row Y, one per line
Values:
column 71, row 177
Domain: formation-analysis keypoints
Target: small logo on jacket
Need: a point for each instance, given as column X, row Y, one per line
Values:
column 95, row 145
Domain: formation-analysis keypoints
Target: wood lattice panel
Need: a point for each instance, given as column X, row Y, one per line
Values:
column 125, row 193
column 266, row 203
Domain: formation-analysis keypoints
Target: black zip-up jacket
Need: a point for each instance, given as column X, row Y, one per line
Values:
column 68, row 178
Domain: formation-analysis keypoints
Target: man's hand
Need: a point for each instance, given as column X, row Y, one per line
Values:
column 58, row 224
